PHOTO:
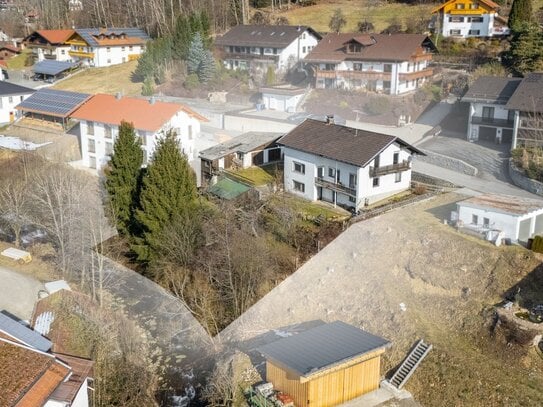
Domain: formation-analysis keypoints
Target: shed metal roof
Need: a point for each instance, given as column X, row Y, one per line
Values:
column 513, row 205
column 244, row 143
column 491, row 89
column 228, row 189
column 7, row 88
column 322, row 348
column 48, row 67
column 24, row 334
column 52, row 102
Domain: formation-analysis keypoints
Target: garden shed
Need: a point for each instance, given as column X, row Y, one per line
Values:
column 325, row 366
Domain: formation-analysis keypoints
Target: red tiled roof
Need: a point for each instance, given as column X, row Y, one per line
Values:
column 378, row 47
column 27, row 377
column 56, row 36
column 141, row 113
column 81, row 369
column 10, row 47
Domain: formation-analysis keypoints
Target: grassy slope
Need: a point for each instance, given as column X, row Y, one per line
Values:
column 112, row 79
column 18, row 62
column 319, row 15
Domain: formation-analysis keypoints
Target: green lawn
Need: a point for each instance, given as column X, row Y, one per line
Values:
column 318, row 16
column 257, row 176
column 18, row 62
column 307, row 209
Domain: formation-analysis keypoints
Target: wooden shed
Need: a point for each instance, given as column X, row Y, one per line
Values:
column 325, row 366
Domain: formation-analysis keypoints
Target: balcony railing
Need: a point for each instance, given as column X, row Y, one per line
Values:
column 370, row 75
column 490, row 121
column 389, row 169
column 81, row 54
column 409, row 76
column 338, row 187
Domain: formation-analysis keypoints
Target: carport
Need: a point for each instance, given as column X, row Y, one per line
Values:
column 50, row 71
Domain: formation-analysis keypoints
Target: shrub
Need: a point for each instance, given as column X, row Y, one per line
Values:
column 377, row 105
column 420, row 189
column 191, row 81
column 537, row 244
column 436, row 92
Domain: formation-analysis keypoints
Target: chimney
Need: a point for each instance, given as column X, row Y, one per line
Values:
column 152, row 100
column 330, row 119
column 118, row 95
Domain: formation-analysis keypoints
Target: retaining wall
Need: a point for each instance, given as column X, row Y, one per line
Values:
column 522, row 181
column 447, row 162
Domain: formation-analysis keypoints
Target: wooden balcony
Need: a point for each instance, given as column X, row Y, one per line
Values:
column 390, row 169
column 368, row 75
column 338, row 187
column 81, row 54
column 243, row 55
column 409, row 76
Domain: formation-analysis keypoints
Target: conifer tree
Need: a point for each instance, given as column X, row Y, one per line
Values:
column 148, row 87
column 521, row 12
column 122, row 179
column 168, row 191
column 207, row 67
column 526, row 51
column 196, row 54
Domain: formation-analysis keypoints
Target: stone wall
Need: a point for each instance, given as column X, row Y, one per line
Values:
column 522, row 181
column 449, row 163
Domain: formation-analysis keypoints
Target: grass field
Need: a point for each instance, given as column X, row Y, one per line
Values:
column 112, row 79
column 354, row 11
column 18, row 62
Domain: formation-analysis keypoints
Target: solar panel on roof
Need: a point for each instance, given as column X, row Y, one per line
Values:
column 47, row 67
column 53, row 102
column 87, row 33
column 24, row 334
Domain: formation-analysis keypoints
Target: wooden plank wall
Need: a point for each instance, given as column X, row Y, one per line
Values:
column 293, row 387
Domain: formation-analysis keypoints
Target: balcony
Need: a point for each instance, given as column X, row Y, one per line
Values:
column 389, row 169
column 81, row 54
column 338, row 187
column 368, row 75
column 409, row 76
column 249, row 56
column 490, row 121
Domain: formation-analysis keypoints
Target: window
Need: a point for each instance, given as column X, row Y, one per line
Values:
column 303, row 50
column 460, row 6
column 303, row 36
column 299, row 167
column 396, row 158
column 398, row 177
column 375, row 182
column 455, row 32
column 21, row 98
column 145, row 157
column 474, row 32
column 109, row 148
column 107, row 131
column 91, row 146
column 298, row 186
column 475, row 19
column 510, row 115
column 63, row 52
column 122, row 49
column 486, row 222
column 331, row 172
column 92, row 162
column 320, row 172
column 109, row 61
column 239, row 156
column 190, row 132
column 474, row 6
column 388, row 68
column 474, row 219
column 90, row 128
column 488, row 113
column 376, row 161
column 352, row 181
column 352, row 199
column 130, row 48
column 10, row 99
column 141, row 137
column 108, row 49
column 456, row 19
column 357, row 66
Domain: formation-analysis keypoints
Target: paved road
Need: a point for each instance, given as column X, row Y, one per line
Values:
column 18, row 293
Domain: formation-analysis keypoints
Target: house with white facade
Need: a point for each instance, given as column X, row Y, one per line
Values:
column 515, row 217
column 49, row 44
column 284, row 98
column 470, row 18
column 101, row 116
column 99, row 47
column 506, row 110
column 260, row 46
column 344, row 166
column 391, row 64
column 10, row 96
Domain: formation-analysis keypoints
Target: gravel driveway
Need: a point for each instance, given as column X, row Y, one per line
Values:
column 18, row 293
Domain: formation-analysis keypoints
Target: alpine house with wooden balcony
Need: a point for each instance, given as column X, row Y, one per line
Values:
column 386, row 63
column 49, row 44
column 104, row 47
column 344, row 166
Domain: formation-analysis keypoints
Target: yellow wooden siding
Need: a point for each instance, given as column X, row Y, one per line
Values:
column 482, row 8
column 290, row 386
column 362, row 378
column 327, row 390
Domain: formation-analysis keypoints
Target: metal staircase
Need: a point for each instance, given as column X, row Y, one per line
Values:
column 410, row 363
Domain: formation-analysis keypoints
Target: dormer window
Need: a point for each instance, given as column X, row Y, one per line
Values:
column 460, row 6
column 474, row 6
column 354, row 47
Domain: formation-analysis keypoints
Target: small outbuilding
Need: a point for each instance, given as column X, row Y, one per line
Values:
column 517, row 218
column 284, row 98
column 325, row 366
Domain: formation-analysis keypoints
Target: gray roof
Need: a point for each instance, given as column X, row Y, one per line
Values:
column 513, row 205
column 88, row 33
column 263, row 35
column 7, row 89
column 323, row 347
column 48, row 67
column 346, row 144
column 528, row 97
column 52, row 102
column 24, row 334
column 491, row 89
column 244, row 143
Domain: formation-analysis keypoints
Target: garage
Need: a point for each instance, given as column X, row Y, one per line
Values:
column 507, row 136
column 487, row 133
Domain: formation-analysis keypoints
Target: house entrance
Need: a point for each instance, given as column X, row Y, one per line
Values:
column 487, row 133
column 507, row 135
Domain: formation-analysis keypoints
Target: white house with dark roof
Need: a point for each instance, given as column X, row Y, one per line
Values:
column 10, row 96
column 518, row 218
column 343, row 165
column 392, row 64
column 260, row 46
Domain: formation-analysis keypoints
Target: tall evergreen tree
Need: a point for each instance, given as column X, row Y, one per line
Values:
column 196, row 54
column 521, row 12
column 181, row 38
column 122, row 179
column 526, row 51
column 168, row 191
column 207, row 67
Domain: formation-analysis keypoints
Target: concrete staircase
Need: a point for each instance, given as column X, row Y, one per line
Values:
column 410, row 363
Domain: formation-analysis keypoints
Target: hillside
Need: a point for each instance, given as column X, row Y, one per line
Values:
column 447, row 282
column 381, row 14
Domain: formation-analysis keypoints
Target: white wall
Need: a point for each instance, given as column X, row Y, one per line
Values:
column 7, row 106
column 484, row 27
column 476, row 110
column 283, row 103
column 365, row 189
column 298, row 49
column 500, row 221
column 103, row 57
